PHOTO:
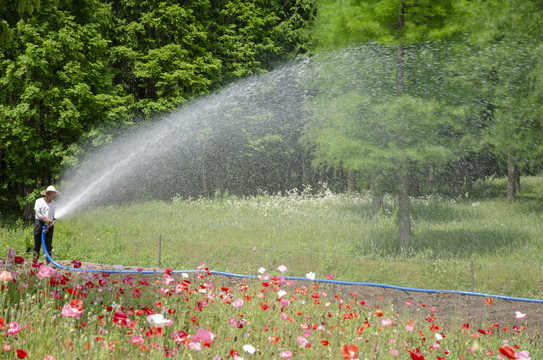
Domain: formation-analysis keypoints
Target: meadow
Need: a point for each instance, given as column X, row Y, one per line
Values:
column 311, row 233
column 322, row 232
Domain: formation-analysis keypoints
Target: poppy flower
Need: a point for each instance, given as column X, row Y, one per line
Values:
column 386, row 322
column 282, row 268
column 119, row 318
column 285, row 354
column 507, row 351
column 136, row 340
column 45, row 271
column 14, row 328
column 303, row 341
column 77, row 264
column 158, row 320
column 417, row 355
column 179, row 336
column 203, row 335
column 349, row 352
column 250, row 349
column 519, row 315
column 488, row 301
column 5, row 275
column 18, row 260
column 523, row 355
column 21, row 354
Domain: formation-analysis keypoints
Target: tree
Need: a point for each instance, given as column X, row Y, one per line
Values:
column 393, row 109
column 56, row 84
column 509, row 64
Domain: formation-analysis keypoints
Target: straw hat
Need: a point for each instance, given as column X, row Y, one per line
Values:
column 50, row 188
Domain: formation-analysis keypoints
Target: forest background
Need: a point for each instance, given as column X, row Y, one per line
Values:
column 74, row 74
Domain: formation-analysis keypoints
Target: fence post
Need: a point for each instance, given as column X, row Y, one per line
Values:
column 159, row 249
column 472, row 275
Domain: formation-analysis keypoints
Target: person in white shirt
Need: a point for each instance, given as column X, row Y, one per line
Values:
column 45, row 214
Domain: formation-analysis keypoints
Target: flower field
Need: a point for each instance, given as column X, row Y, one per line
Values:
column 53, row 314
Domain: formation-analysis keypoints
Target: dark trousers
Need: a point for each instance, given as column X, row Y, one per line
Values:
column 38, row 228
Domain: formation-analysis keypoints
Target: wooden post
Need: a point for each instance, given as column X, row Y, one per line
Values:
column 472, row 274
column 159, row 249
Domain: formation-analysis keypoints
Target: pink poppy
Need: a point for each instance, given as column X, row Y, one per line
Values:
column 14, row 328
column 286, row 354
column 203, row 335
column 237, row 303
column 386, row 322
column 282, row 268
column 45, row 271
column 5, row 275
column 68, row 311
column 302, row 341
column 523, row 355
column 136, row 340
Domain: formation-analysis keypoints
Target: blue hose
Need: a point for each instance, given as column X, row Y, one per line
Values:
column 385, row 286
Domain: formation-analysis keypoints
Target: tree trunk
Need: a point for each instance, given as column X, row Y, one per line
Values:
column 204, row 184
column 404, row 220
column 350, row 182
column 511, row 179
column 376, row 193
column 517, row 179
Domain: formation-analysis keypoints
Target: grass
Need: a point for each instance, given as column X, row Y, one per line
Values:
column 324, row 233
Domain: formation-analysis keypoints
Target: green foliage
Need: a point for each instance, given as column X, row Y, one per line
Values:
column 73, row 73
column 342, row 23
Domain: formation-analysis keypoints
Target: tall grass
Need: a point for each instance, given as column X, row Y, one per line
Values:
column 326, row 233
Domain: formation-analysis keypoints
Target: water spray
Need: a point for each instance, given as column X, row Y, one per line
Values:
column 385, row 286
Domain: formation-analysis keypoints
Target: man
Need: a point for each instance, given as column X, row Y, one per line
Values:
column 45, row 214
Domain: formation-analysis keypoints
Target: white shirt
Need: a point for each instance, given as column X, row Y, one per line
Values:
column 45, row 210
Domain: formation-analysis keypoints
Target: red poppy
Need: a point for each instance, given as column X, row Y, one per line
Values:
column 350, row 352
column 325, row 342
column 488, row 301
column 21, row 354
column 507, row 351
column 417, row 355
column 119, row 318
column 77, row 263
column 18, row 260
column 77, row 304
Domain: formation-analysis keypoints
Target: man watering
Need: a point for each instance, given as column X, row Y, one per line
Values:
column 45, row 214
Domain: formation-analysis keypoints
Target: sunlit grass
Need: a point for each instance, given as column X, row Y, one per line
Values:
column 323, row 232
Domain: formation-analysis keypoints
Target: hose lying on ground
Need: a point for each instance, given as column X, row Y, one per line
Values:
column 386, row 286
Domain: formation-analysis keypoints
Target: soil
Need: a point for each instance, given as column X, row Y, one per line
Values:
column 452, row 309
